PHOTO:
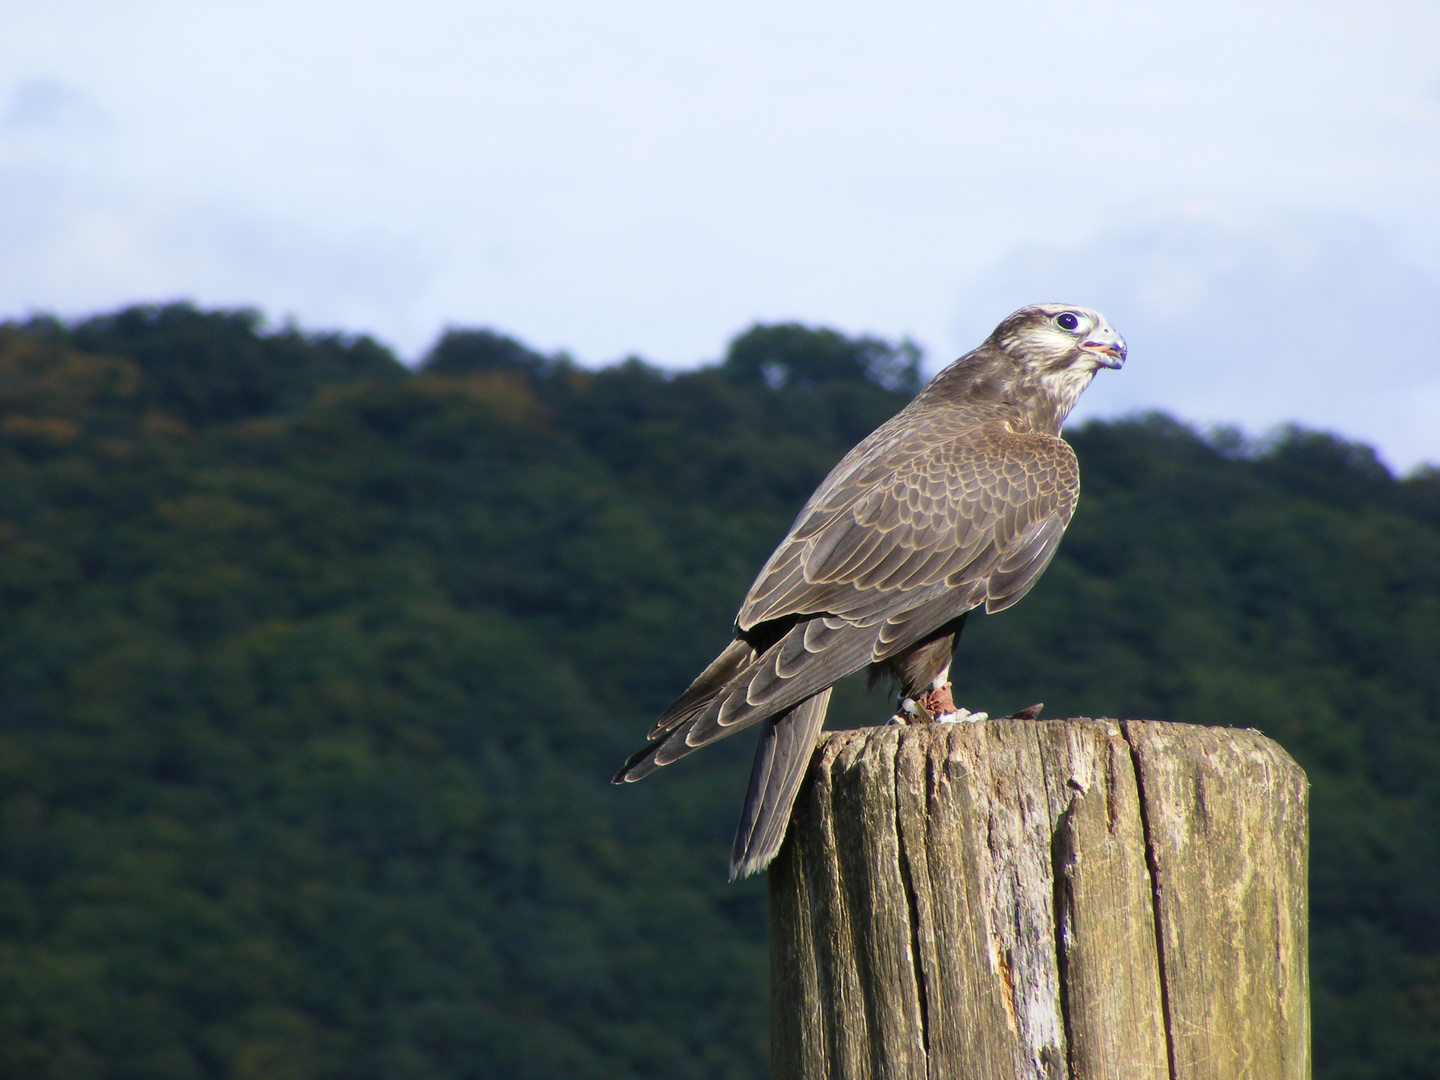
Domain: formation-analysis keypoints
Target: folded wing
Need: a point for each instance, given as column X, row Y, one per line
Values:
column 914, row 527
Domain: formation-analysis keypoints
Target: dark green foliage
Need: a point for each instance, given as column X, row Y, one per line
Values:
column 313, row 672
column 208, row 367
column 789, row 354
column 471, row 352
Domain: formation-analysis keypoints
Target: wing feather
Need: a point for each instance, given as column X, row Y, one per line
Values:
column 915, row 515
column 1013, row 578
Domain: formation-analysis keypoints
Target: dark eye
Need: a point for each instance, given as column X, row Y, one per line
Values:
column 1068, row 321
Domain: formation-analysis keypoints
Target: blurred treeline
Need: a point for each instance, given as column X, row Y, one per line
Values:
column 314, row 670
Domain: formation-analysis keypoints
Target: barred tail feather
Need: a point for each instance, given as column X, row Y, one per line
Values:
column 786, row 743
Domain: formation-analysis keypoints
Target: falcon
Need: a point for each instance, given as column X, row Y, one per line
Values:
column 957, row 501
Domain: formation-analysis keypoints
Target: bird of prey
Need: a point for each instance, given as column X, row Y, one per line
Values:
column 958, row 500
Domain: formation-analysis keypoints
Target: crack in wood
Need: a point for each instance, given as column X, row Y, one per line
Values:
column 907, row 882
column 1152, row 866
column 1061, row 854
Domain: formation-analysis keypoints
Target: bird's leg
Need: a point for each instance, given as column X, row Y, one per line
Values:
column 939, row 700
column 924, row 673
column 935, row 705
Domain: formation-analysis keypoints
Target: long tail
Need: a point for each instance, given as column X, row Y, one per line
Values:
column 786, row 743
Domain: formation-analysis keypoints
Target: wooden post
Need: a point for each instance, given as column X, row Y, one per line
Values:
column 982, row 900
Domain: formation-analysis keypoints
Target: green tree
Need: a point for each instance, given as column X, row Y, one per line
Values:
column 313, row 671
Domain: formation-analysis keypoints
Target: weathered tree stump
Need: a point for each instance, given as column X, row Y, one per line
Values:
column 982, row 900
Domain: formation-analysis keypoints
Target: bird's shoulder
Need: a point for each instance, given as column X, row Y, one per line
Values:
column 948, row 458
column 928, row 494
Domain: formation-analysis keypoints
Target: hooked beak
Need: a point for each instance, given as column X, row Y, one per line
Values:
column 1108, row 350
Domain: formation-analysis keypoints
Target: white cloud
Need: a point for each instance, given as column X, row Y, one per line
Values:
column 49, row 119
column 77, row 238
column 649, row 177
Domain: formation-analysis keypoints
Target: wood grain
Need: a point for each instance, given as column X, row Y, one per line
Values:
column 981, row 900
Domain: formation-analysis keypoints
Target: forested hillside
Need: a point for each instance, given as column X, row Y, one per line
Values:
column 314, row 670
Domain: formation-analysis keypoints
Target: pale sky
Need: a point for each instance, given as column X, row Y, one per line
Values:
column 1250, row 191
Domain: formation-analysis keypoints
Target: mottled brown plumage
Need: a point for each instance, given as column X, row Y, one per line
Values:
column 957, row 501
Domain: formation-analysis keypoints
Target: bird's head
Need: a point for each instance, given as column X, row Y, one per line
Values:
column 1056, row 337
column 1058, row 348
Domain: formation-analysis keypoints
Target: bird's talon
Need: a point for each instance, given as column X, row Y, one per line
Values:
column 931, row 705
column 915, row 712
